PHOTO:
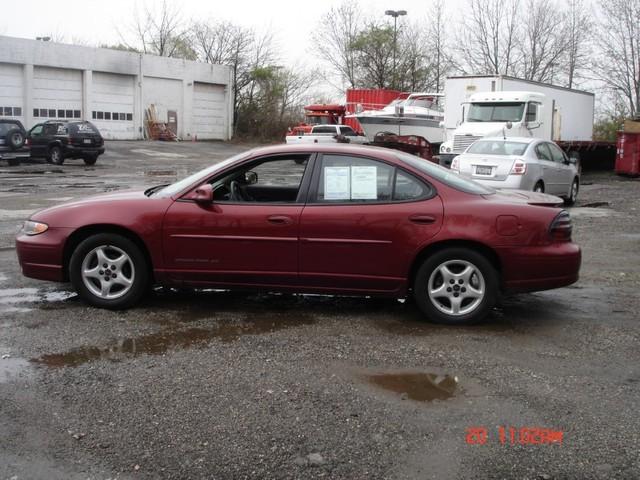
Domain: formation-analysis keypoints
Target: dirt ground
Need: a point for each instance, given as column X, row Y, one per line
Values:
column 226, row 385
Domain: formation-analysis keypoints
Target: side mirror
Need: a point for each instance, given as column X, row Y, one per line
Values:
column 572, row 160
column 250, row 177
column 509, row 125
column 203, row 194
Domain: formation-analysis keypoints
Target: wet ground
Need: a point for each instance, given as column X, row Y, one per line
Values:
column 213, row 384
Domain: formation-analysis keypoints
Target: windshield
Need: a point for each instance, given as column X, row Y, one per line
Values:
column 445, row 175
column 180, row 185
column 498, row 147
column 424, row 102
column 495, row 112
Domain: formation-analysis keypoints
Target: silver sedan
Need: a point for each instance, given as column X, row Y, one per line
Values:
column 521, row 163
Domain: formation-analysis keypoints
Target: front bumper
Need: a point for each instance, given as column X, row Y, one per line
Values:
column 530, row 269
column 41, row 256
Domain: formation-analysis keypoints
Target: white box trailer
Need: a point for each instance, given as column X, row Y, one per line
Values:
column 548, row 111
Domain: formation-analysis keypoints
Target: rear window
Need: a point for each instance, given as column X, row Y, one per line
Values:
column 444, row 175
column 82, row 127
column 5, row 127
column 498, row 147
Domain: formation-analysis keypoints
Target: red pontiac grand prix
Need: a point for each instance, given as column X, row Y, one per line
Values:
column 334, row 219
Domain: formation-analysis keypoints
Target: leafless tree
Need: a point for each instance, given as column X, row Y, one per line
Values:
column 578, row 30
column 486, row 43
column 619, row 40
column 159, row 30
column 544, row 41
column 334, row 38
column 438, row 44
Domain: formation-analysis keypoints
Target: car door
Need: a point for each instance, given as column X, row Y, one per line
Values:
column 232, row 241
column 37, row 141
column 564, row 170
column 363, row 223
column 549, row 170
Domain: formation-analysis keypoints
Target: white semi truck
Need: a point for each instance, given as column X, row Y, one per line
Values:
column 497, row 105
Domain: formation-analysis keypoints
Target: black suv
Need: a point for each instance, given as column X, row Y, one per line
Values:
column 13, row 141
column 57, row 140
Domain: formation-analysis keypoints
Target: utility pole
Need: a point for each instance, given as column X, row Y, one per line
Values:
column 395, row 14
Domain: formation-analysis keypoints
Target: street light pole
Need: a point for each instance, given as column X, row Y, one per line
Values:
column 395, row 14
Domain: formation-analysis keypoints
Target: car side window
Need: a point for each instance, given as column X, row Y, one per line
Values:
column 327, row 129
column 556, row 153
column 543, row 153
column 51, row 129
column 532, row 112
column 347, row 131
column 36, row 131
column 346, row 179
column 274, row 180
column 407, row 187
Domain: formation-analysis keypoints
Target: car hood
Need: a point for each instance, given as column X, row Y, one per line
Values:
column 526, row 197
column 110, row 197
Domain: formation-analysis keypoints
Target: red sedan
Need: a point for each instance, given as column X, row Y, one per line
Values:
column 317, row 219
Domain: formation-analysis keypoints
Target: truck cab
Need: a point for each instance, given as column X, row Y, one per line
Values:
column 505, row 114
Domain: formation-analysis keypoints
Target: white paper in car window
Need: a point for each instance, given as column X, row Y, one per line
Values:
column 364, row 183
column 336, row 183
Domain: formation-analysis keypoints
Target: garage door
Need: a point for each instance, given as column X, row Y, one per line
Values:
column 112, row 100
column 209, row 111
column 57, row 93
column 11, row 91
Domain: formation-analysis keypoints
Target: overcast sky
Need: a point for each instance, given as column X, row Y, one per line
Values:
column 97, row 21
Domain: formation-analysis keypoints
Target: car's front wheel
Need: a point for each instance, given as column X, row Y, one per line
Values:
column 109, row 271
column 573, row 194
column 456, row 286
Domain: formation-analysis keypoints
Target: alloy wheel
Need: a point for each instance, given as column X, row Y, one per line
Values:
column 108, row 272
column 456, row 287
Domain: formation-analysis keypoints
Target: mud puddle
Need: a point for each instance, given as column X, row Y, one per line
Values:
column 421, row 387
column 170, row 339
column 19, row 300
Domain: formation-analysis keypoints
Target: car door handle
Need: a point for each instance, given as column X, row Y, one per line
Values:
column 279, row 219
column 422, row 219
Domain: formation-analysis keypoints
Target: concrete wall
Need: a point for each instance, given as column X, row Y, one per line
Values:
column 165, row 82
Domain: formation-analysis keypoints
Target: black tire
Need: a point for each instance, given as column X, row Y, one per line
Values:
column 15, row 139
column 135, row 270
column 483, row 277
column 539, row 187
column 573, row 195
column 90, row 159
column 55, row 155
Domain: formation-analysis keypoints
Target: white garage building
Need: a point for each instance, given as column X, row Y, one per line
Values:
column 44, row 81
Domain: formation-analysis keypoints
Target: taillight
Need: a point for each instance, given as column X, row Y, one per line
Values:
column 455, row 164
column 561, row 227
column 519, row 168
column 26, row 142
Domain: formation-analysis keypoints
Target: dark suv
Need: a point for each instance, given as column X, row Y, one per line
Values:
column 13, row 141
column 58, row 140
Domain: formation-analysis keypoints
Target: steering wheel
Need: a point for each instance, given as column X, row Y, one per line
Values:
column 235, row 192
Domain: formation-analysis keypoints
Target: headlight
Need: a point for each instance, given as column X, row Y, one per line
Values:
column 34, row 228
column 448, row 149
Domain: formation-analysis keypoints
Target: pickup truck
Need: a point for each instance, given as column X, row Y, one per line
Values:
column 328, row 134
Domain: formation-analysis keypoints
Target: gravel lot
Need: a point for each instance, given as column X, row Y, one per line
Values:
column 229, row 386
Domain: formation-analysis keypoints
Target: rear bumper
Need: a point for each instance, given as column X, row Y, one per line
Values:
column 41, row 256
column 529, row 269
column 79, row 151
column 6, row 154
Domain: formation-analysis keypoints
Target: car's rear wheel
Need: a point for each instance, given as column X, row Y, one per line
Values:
column 456, row 286
column 573, row 194
column 90, row 159
column 539, row 187
column 109, row 271
column 55, row 155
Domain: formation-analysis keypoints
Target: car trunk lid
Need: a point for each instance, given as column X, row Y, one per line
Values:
column 489, row 167
column 530, row 198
